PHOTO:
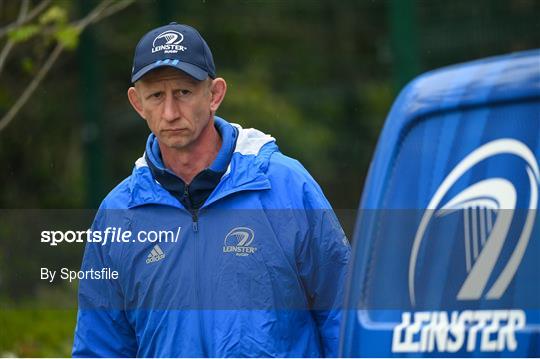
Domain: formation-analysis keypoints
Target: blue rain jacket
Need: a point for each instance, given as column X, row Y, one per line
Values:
column 257, row 271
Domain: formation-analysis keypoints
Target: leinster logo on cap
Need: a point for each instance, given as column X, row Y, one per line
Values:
column 168, row 42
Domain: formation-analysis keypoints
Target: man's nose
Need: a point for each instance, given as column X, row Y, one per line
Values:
column 170, row 109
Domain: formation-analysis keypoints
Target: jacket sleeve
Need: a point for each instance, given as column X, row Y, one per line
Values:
column 102, row 327
column 323, row 263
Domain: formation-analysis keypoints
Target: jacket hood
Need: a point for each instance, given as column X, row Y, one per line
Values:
column 246, row 170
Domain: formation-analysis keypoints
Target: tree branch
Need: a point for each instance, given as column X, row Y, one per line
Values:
column 26, row 19
column 29, row 90
column 9, row 44
column 118, row 6
column 23, row 10
column 92, row 15
column 100, row 12
column 105, row 9
column 4, row 54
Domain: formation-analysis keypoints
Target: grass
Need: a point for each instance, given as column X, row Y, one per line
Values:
column 36, row 332
column 41, row 326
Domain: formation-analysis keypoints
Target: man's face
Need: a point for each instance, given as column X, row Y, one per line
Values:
column 176, row 107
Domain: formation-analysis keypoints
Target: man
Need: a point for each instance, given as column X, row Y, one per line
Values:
column 260, row 260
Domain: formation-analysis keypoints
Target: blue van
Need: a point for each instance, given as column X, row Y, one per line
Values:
column 447, row 240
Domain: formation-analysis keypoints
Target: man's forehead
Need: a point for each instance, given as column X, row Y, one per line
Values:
column 167, row 73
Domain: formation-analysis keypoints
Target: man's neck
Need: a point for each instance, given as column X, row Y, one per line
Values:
column 187, row 163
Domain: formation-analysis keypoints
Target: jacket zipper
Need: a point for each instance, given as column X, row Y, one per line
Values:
column 195, row 227
column 194, row 212
column 195, row 219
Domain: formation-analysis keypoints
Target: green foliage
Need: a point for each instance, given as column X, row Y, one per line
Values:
column 54, row 15
column 378, row 97
column 251, row 102
column 24, row 33
column 27, row 65
column 5, row 98
column 52, row 24
column 68, row 36
column 65, row 34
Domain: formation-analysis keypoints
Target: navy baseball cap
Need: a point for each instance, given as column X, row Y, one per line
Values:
column 174, row 45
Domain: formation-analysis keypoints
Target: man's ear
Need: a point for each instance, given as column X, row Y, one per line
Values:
column 135, row 101
column 218, row 90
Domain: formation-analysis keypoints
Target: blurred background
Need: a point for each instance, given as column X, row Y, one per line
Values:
column 319, row 75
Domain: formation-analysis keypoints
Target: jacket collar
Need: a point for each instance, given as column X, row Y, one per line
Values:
column 194, row 195
column 228, row 133
column 245, row 171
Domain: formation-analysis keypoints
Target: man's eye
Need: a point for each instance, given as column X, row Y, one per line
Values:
column 155, row 95
column 184, row 92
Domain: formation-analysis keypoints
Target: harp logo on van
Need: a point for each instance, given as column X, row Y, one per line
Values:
column 488, row 208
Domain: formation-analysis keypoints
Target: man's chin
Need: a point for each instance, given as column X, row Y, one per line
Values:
column 177, row 145
column 175, row 142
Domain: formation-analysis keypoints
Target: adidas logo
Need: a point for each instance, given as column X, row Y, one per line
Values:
column 155, row 255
